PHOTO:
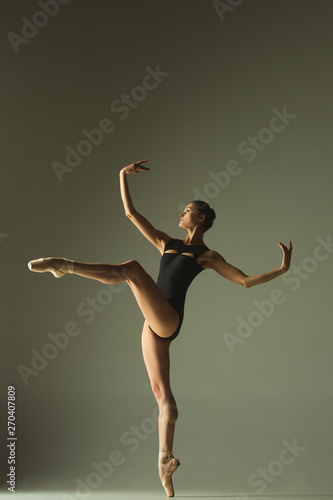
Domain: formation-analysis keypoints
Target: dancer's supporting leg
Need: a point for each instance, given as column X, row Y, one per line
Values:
column 157, row 360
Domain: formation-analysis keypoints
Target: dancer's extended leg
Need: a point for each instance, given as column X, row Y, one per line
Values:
column 160, row 315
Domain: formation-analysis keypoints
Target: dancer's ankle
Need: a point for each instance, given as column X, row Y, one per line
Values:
column 65, row 266
column 70, row 266
column 165, row 454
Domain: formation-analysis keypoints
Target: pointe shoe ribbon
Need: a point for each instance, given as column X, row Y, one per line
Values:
column 47, row 264
column 169, row 464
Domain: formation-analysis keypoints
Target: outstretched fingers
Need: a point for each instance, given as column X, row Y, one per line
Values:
column 138, row 166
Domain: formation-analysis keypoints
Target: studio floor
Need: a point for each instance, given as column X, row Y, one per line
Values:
column 186, row 495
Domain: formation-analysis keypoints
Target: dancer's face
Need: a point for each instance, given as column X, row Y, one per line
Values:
column 190, row 217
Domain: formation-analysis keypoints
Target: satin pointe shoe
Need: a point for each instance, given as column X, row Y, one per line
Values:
column 167, row 465
column 55, row 265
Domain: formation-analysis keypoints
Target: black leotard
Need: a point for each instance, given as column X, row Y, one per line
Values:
column 176, row 273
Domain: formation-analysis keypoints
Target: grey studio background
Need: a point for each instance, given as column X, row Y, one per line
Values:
column 237, row 109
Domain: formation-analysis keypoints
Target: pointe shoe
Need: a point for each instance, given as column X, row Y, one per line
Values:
column 44, row 265
column 167, row 464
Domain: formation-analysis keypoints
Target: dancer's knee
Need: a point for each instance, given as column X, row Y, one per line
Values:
column 168, row 411
column 131, row 269
column 166, row 402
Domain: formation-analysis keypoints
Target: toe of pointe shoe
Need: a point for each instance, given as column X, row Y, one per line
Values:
column 42, row 265
column 38, row 265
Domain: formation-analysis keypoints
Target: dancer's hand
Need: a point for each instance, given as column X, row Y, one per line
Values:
column 134, row 168
column 286, row 255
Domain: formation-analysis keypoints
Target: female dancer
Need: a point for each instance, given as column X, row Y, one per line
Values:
column 162, row 303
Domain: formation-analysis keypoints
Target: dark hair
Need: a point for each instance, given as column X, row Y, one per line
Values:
column 204, row 208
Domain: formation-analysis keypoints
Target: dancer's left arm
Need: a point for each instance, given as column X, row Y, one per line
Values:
column 216, row 262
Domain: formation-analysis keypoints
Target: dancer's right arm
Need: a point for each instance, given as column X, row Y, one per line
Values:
column 156, row 237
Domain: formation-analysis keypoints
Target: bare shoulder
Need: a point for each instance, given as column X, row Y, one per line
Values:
column 208, row 259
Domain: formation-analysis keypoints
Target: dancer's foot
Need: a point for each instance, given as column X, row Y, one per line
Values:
column 167, row 465
column 55, row 265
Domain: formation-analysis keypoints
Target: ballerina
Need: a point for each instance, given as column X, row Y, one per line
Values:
column 162, row 303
